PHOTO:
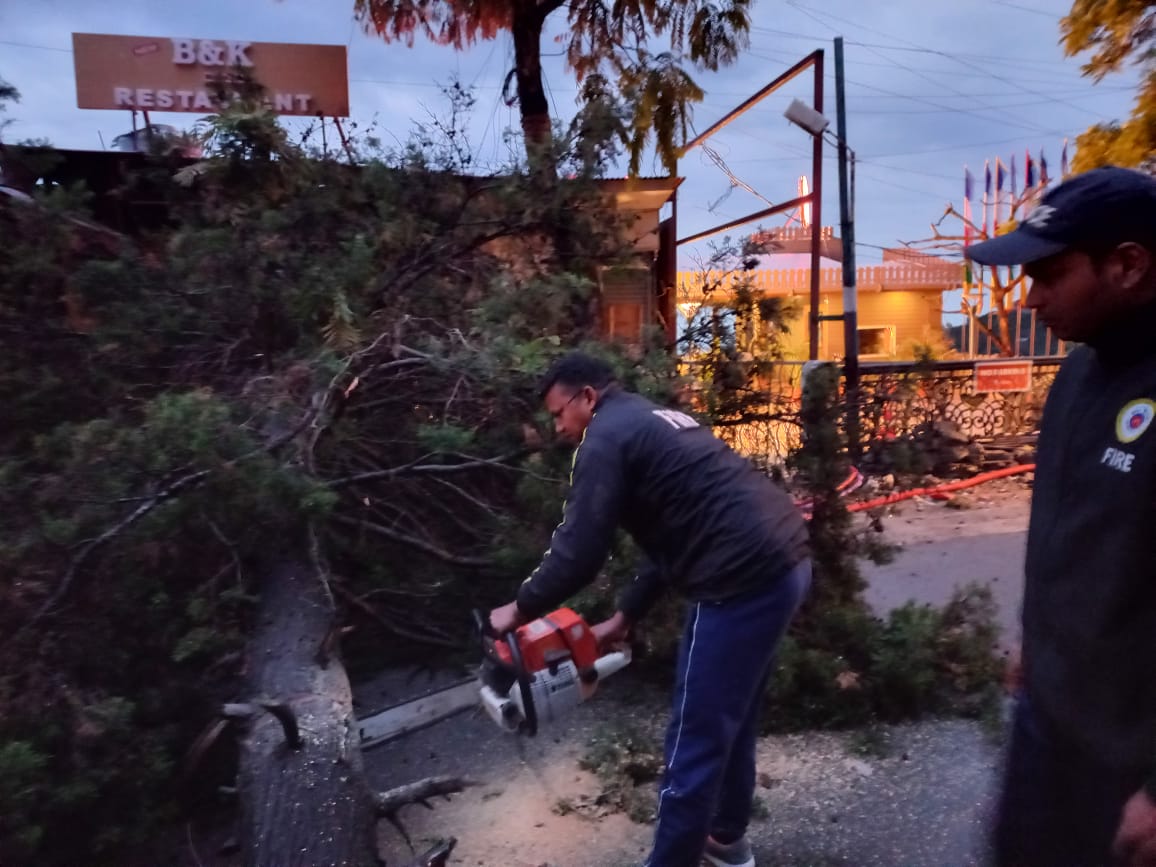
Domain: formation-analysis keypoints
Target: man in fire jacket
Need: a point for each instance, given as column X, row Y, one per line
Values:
column 712, row 527
column 1079, row 788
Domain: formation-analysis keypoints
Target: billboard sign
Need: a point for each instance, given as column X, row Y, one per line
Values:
column 153, row 73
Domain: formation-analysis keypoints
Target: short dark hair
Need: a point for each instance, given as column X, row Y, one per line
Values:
column 576, row 370
column 1098, row 250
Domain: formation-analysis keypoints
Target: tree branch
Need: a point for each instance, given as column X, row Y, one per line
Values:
column 388, row 802
column 406, row 469
column 983, row 326
column 437, row 855
column 280, row 710
column 110, row 533
column 466, row 495
column 150, row 503
column 412, row 542
column 369, row 611
column 439, row 255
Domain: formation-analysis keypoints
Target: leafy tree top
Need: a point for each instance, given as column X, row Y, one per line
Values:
column 616, row 41
column 1117, row 32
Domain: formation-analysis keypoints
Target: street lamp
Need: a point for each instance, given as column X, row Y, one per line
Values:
column 814, row 123
column 802, row 115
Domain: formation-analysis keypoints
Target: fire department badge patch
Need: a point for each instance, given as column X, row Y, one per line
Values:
column 1134, row 419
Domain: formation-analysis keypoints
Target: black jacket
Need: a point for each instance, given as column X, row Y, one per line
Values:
column 1089, row 611
column 709, row 523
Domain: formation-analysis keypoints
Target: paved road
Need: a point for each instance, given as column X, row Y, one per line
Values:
column 926, row 803
column 945, row 548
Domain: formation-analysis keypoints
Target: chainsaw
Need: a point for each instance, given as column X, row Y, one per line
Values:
column 541, row 670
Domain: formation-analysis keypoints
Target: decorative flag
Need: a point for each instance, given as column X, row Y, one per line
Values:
column 1029, row 171
column 1064, row 161
column 1044, row 179
column 999, row 178
column 1012, row 188
column 967, row 181
column 986, row 192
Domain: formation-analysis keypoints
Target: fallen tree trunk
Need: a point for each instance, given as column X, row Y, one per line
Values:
column 303, row 795
column 301, row 783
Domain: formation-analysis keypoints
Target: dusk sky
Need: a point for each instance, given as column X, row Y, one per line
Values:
column 928, row 92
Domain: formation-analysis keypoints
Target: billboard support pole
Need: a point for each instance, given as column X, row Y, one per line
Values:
column 344, row 140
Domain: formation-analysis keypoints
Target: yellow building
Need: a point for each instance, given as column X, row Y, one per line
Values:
column 900, row 301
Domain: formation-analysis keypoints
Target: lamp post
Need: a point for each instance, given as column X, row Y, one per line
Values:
column 817, row 125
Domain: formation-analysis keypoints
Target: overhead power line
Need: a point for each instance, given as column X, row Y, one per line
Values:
column 818, row 17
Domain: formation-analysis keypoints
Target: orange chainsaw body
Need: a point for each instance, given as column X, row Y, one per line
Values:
column 559, row 635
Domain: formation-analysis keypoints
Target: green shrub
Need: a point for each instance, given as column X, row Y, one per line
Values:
column 862, row 669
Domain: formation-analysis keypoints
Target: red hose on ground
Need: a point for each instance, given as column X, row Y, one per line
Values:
column 942, row 489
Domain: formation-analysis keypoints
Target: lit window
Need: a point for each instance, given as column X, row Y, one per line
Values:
column 877, row 340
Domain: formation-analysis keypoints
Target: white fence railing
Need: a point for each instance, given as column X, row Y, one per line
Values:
column 797, row 281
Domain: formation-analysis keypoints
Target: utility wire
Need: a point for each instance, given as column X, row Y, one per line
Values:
column 818, row 17
column 965, row 60
column 736, row 181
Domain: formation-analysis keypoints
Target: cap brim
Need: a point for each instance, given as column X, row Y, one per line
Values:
column 1014, row 248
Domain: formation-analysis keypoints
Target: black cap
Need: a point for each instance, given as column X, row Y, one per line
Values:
column 1098, row 209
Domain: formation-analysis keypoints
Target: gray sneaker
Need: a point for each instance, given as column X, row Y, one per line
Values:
column 736, row 854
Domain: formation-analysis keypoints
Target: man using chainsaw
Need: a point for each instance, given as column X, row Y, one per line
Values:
column 713, row 528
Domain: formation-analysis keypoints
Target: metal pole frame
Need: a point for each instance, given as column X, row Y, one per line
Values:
column 813, row 61
column 847, row 230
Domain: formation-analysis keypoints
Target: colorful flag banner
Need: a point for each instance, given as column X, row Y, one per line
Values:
column 967, row 182
column 997, row 203
column 986, row 192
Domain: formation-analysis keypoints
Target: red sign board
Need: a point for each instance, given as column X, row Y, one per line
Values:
column 1006, row 375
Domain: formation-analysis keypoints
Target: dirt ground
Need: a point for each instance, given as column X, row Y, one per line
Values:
column 918, row 797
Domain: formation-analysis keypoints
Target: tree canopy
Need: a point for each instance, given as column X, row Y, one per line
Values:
column 293, row 354
column 618, row 45
column 1117, row 32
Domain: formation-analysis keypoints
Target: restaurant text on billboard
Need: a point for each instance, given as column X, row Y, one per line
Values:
column 165, row 74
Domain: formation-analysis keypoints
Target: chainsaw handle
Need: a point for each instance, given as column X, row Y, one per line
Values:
column 530, row 723
column 487, row 638
column 482, row 625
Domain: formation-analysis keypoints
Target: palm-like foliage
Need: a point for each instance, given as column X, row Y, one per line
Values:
column 613, row 40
